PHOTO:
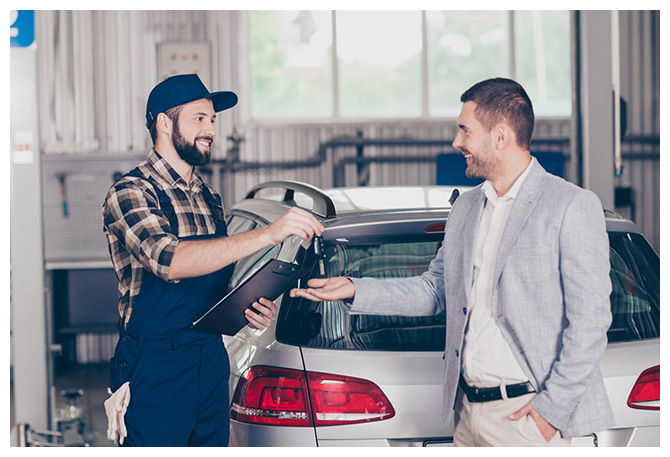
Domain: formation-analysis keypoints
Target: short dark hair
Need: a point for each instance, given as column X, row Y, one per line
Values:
column 502, row 99
column 172, row 113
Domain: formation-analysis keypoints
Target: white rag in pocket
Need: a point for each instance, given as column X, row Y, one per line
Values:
column 115, row 408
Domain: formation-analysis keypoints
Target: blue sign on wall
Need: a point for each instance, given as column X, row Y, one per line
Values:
column 21, row 28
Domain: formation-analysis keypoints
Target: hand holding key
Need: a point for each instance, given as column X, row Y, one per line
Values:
column 295, row 221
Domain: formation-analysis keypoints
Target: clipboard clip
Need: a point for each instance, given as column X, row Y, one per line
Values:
column 285, row 269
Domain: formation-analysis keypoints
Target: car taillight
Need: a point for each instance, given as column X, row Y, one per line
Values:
column 271, row 396
column 436, row 228
column 646, row 393
column 278, row 396
column 338, row 400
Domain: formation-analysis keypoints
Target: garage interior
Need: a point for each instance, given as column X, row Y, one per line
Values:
column 77, row 96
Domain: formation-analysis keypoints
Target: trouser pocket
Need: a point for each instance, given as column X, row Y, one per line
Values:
column 124, row 363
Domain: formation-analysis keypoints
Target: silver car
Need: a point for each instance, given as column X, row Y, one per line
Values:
column 322, row 377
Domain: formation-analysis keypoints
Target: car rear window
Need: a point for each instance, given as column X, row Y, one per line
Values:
column 328, row 325
column 635, row 297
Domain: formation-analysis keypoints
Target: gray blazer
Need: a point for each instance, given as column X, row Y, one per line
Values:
column 550, row 298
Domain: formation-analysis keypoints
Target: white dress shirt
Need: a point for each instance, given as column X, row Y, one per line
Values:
column 487, row 359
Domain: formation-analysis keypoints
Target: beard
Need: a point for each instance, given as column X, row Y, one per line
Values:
column 189, row 152
column 482, row 164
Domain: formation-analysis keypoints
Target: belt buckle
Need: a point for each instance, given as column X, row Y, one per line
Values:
column 504, row 394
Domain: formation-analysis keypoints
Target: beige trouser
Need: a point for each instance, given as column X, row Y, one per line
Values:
column 488, row 424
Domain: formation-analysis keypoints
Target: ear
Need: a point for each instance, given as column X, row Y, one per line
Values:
column 164, row 124
column 502, row 134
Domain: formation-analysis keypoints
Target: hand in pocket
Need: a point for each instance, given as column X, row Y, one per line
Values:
column 545, row 428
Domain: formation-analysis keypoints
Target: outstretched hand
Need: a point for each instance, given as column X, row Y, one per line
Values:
column 326, row 289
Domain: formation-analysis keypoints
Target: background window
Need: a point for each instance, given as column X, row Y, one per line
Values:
column 290, row 63
column 379, row 63
column 542, row 43
column 383, row 70
column 464, row 47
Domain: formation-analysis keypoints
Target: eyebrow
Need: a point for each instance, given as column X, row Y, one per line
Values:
column 200, row 113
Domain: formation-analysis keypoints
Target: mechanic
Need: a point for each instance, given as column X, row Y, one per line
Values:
column 523, row 273
column 173, row 259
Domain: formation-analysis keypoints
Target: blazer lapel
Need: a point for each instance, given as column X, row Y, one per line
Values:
column 524, row 203
column 469, row 235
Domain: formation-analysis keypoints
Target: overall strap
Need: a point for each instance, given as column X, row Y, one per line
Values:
column 216, row 208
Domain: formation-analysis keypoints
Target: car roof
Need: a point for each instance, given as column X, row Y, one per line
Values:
column 392, row 198
column 369, row 204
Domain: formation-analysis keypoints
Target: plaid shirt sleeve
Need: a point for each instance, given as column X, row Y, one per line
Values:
column 133, row 217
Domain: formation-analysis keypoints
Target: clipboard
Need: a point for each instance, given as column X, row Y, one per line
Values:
column 270, row 281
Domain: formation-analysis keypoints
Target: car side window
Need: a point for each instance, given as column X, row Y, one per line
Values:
column 636, row 287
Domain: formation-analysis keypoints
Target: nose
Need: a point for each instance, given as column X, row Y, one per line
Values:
column 457, row 143
column 209, row 129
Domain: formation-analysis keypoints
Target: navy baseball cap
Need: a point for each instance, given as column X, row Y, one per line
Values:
column 181, row 89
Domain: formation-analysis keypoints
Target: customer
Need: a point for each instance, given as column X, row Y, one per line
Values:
column 173, row 258
column 523, row 274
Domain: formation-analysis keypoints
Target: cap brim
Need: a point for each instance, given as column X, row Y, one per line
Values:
column 223, row 100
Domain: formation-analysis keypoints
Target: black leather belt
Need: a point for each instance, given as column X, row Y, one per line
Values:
column 482, row 394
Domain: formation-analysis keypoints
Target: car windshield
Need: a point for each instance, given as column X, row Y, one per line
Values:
column 635, row 297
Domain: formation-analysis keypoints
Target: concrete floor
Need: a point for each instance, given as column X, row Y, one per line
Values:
column 93, row 379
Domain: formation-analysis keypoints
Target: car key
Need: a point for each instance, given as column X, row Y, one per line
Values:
column 320, row 253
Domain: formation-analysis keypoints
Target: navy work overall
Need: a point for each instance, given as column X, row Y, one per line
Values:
column 178, row 376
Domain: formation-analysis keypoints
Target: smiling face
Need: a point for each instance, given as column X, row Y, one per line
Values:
column 475, row 141
column 194, row 132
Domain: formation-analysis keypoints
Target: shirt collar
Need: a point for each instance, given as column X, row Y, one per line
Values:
column 491, row 194
column 165, row 171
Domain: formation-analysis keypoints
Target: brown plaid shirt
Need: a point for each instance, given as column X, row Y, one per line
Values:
column 140, row 237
